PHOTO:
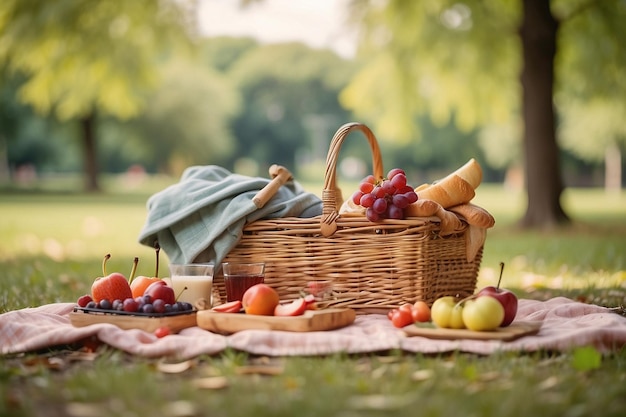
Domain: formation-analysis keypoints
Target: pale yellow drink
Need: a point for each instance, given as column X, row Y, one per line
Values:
column 196, row 290
column 193, row 283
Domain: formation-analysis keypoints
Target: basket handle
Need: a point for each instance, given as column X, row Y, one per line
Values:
column 280, row 175
column 331, row 194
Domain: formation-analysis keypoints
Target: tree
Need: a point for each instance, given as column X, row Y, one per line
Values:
column 188, row 120
column 83, row 58
column 538, row 33
column 491, row 64
column 285, row 105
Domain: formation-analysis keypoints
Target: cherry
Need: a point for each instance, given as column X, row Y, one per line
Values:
column 84, row 300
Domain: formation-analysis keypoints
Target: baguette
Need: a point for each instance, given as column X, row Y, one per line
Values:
column 450, row 223
column 474, row 215
column 471, row 172
column 349, row 207
column 450, row 191
column 422, row 208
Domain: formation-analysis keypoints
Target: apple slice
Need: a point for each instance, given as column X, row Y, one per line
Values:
column 294, row 308
column 230, row 307
column 310, row 301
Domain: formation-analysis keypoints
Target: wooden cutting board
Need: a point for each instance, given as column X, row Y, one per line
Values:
column 512, row 332
column 148, row 323
column 310, row 321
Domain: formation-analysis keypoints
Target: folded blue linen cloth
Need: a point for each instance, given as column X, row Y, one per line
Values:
column 201, row 218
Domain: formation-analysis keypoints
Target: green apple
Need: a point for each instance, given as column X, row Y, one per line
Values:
column 483, row 313
column 447, row 313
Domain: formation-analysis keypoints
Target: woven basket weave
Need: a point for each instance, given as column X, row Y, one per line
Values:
column 370, row 266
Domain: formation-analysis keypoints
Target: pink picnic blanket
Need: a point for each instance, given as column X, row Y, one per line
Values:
column 565, row 324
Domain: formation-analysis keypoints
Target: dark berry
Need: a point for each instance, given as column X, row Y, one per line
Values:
column 159, row 306
column 130, row 305
column 147, row 308
column 185, row 306
column 105, row 304
column 117, row 305
column 91, row 304
column 168, row 308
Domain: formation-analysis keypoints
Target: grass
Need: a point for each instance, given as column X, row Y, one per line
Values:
column 51, row 249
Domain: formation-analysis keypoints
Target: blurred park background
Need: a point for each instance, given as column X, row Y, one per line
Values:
column 534, row 90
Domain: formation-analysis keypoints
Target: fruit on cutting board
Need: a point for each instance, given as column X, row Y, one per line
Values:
column 112, row 293
column 229, row 307
column 159, row 290
column 447, row 312
column 260, row 299
column 296, row 307
column 483, row 313
column 507, row 298
column 110, row 287
column 138, row 285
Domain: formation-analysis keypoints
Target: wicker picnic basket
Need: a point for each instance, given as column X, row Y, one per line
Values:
column 370, row 266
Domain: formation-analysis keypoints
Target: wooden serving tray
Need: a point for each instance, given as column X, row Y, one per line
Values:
column 175, row 322
column 512, row 332
column 310, row 321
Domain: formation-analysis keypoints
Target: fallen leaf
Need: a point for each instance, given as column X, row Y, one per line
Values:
column 586, row 358
column 174, row 368
column 260, row 370
column 213, row 382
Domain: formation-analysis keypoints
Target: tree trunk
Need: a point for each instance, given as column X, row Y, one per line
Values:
column 541, row 165
column 90, row 153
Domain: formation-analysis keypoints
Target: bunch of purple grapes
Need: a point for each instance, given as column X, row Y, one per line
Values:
column 385, row 198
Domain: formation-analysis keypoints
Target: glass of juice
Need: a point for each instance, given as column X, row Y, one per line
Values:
column 193, row 283
column 238, row 277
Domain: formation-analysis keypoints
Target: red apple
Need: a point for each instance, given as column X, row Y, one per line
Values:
column 159, row 290
column 505, row 297
column 110, row 287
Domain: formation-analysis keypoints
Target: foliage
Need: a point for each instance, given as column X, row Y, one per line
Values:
column 591, row 82
column 290, row 106
column 444, row 58
column 429, row 58
column 81, row 55
column 188, row 120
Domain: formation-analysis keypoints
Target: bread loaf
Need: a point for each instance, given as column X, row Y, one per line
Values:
column 349, row 207
column 456, row 188
column 422, row 208
column 450, row 223
column 474, row 215
column 450, row 191
column 471, row 172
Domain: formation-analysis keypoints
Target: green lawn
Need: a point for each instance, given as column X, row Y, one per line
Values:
column 51, row 250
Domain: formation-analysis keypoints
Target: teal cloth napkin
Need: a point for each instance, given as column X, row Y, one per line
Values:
column 201, row 218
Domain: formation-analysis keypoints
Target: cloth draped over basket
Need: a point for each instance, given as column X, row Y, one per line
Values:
column 201, row 218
